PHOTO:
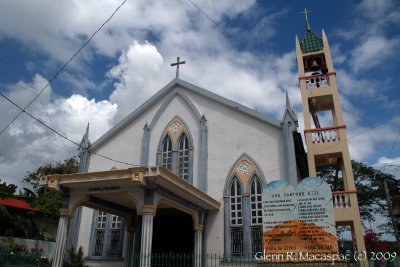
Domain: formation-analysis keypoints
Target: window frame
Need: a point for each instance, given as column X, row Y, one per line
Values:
column 168, row 153
column 107, row 234
column 236, row 217
column 179, row 163
column 183, row 159
column 252, row 232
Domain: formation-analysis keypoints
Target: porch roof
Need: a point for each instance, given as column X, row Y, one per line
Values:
column 108, row 185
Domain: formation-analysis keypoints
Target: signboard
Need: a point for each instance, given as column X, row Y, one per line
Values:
column 298, row 222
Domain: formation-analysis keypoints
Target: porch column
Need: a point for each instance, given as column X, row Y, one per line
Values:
column 60, row 241
column 198, row 244
column 148, row 213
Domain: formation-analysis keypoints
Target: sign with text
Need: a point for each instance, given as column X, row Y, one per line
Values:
column 298, row 221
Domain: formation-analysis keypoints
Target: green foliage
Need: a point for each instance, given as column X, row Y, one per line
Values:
column 49, row 201
column 70, row 165
column 76, row 259
column 370, row 188
column 7, row 190
column 21, row 223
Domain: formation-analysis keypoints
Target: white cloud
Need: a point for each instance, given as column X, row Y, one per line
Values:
column 135, row 74
column 27, row 144
column 389, row 165
column 371, row 33
column 372, row 51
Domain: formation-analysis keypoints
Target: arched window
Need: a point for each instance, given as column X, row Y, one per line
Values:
column 175, row 151
column 256, row 215
column 243, row 208
column 236, row 218
column 183, row 157
column 166, row 153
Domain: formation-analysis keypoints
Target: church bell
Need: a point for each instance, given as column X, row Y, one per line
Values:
column 315, row 66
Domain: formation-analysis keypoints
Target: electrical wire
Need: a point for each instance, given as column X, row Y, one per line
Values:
column 61, row 135
column 63, row 67
column 207, row 16
column 220, row 27
column 32, row 90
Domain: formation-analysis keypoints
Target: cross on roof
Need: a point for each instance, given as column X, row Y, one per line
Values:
column 177, row 65
column 305, row 13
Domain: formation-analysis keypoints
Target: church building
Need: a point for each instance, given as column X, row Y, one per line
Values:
column 184, row 172
column 203, row 160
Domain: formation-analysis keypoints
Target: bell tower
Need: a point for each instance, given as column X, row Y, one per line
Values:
column 325, row 129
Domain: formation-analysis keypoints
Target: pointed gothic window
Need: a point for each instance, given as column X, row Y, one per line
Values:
column 175, row 150
column 236, row 218
column 166, row 153
column 243, row 208
column 256, row 215
column 183, row 157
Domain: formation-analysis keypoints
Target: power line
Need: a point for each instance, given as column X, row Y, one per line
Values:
column 219, row 26
column 60, row 134
column 207, row 16
column 47, row 115
column 63, row 67
column 388, row 158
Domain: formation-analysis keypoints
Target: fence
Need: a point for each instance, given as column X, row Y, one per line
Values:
column 10, row 258
column 222, row 260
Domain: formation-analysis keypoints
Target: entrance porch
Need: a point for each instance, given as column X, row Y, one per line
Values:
column 162, row 213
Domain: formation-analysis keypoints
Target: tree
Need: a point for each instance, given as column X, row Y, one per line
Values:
column 46, row 200
column 370, row 189
column 70, row 165
column 7, row 190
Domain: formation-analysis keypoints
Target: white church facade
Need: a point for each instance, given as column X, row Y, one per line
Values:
column 198, row 162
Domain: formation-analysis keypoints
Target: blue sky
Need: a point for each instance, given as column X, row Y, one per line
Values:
column 250, row 60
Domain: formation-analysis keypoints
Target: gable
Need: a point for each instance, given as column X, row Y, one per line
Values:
column 176, row 88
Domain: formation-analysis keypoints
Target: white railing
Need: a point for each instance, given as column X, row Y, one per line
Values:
column 323, row 135
column 316, row 81
column 341, row 199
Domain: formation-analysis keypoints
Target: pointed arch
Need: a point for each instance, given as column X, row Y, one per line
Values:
column 186, row 100
column 202, row 145
column 175, row 149
column 243, row 238
column 244, row 168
